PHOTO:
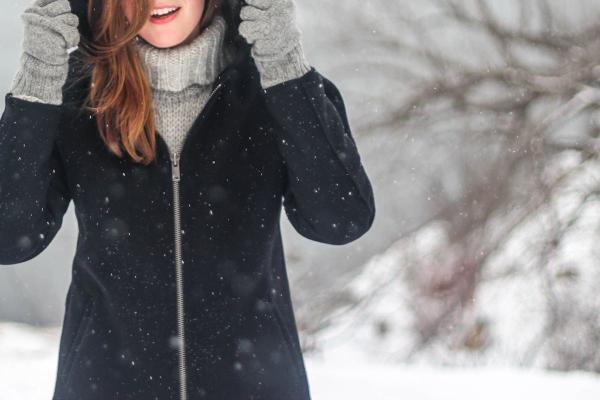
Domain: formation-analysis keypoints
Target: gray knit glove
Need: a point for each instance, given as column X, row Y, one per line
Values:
column 50, row 35
column 270, row 26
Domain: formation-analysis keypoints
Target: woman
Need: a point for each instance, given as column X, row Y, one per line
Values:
column 178, row 138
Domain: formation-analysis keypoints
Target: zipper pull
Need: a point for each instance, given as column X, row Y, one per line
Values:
column 175, row 163
column 215, row 89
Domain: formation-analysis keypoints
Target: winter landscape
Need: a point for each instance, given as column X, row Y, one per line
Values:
column 341, row 373
column 479, row 123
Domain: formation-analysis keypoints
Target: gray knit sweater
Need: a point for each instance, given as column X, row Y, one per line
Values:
column 181, row 77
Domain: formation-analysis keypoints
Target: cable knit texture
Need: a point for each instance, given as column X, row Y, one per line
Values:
column 50, row 30
column 182, row 78
column 270, row 26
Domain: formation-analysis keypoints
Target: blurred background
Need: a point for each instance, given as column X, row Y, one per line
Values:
column 478, row 123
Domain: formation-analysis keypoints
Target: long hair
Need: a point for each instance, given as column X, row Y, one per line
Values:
column 119, row 90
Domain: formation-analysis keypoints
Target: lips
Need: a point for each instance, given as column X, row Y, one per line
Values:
column 164, row 15
column 157, row 11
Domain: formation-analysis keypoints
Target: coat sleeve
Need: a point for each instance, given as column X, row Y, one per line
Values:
column 328, row 196
column 33, row 192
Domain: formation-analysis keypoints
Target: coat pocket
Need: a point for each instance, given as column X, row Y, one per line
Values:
column 75, row 346
column 274, row 316
column 283, row 331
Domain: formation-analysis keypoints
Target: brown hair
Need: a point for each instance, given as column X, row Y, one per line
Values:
column 119, row 92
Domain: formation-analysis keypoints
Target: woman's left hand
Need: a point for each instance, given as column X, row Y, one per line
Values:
column 270, row 26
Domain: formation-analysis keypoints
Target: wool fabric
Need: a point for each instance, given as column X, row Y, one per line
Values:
column 50, row 28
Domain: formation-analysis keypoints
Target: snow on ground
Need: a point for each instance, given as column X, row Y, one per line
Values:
column 28, row 358
column 27, row 361
column 331, row 381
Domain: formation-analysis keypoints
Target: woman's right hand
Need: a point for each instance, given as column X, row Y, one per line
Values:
column 50, row 31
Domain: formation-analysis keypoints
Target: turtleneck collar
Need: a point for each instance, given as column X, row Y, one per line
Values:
column 198, row 62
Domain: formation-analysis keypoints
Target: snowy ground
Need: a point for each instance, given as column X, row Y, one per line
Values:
column 27, row 352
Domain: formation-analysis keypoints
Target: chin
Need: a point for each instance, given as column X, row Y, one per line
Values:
column 165, row 44
column 165, row 39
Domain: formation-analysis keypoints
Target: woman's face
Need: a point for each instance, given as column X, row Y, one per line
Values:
column 177, row 27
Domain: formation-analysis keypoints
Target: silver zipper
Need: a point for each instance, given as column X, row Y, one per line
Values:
column 179, row 276
column 176, row 177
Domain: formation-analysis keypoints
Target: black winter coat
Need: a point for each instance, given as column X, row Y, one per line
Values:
column 179, row 287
